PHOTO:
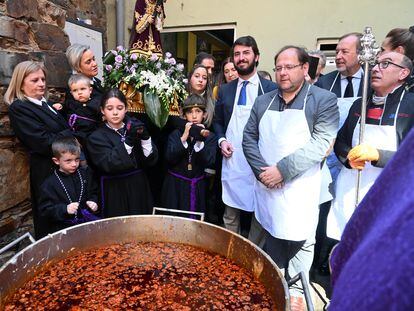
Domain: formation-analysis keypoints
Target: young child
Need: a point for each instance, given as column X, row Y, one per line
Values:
column 69, row 195
column 184, row 186
column 83, row 113
column 119, row 150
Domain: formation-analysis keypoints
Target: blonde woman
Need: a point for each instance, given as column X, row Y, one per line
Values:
column 36, row 124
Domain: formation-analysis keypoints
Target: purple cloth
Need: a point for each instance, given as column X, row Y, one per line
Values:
column 72, row 120
column 193, row 182
column 373, row 265
column 83, row 216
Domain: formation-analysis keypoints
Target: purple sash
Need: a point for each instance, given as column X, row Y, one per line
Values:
column 108, row 177
column 193, row 182
column 83, row 215
column 72, row 120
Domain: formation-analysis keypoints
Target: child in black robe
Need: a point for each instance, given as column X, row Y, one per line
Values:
column 82, row 111
column 184, row 185
column 84, row 114
column 119, row 150
column 69, row 195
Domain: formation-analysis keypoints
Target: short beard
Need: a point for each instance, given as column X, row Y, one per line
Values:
column 246, row 71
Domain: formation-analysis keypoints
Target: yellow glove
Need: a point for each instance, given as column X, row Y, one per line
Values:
column 363, row 152
column 358, row 165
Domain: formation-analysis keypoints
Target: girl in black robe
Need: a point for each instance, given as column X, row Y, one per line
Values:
column 118, row 151
column 184, row 185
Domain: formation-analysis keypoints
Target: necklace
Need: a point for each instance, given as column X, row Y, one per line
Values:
column 190, row 156
column 66, row 191
column 117, row 131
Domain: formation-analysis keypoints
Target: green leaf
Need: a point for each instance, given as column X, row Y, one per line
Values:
column 153, row 108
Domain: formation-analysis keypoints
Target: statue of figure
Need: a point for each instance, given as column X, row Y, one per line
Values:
column 145, row 33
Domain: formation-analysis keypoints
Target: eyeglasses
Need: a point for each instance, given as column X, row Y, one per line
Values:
column 287, row 67
column 385, row 63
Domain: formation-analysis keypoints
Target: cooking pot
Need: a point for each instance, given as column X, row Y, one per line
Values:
column 146, row 228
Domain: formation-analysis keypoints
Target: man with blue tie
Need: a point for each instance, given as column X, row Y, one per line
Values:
column 233, row 106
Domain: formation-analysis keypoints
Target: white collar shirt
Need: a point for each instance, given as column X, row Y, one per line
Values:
column 356, row 81
column 252, row 89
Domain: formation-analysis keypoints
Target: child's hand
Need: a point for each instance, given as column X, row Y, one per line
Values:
column 186, row 131
column 57, row 106
column 92, row 205
column 72, row 208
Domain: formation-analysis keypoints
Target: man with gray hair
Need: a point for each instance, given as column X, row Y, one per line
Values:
column 347, row 83
column 285, row 140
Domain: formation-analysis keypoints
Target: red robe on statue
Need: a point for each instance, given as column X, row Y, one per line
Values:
column 145, row 33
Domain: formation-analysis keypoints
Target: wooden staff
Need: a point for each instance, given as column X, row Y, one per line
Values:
column 367, row 57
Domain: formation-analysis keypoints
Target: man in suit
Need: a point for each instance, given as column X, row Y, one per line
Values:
column 347, row 84
column 233, row 106
column 347, row 67
column 285, row 140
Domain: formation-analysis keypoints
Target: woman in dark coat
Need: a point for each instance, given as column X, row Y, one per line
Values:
column 36, row 124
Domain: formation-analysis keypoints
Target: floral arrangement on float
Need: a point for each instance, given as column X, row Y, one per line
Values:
column 152, row 85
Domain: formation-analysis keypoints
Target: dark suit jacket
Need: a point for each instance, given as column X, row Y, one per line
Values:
column 327, row 80
column 225, row 104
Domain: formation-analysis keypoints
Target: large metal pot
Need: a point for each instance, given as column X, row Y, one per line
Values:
column 145, row 228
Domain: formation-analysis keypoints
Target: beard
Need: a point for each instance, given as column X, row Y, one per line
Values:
column 245, row 71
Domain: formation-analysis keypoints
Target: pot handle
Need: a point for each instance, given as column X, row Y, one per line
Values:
column 301, row 276
column 18, row 240
column 170, row 210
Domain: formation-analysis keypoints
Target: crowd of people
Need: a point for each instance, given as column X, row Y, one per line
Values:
column 284, row 155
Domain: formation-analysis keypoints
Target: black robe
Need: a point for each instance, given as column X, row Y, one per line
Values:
column 176, row 191
column 37, row 128
column 124, row 186
column 159, row 136
column 97, row 92
column 84, row 127
column 53, row 200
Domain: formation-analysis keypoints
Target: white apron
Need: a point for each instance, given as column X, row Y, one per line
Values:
column 326, row 179
column 237, row 177
column 344, row 104
column 289, row 213
column 378, row 136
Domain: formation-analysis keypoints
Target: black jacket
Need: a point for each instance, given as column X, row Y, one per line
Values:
column 404, row 122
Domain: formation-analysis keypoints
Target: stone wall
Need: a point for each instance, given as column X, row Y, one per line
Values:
column 32, row 29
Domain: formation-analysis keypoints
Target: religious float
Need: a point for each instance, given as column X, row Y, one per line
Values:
column 153, row 85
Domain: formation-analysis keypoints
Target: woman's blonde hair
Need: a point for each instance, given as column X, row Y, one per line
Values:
column 74, row 55
column 20, row 72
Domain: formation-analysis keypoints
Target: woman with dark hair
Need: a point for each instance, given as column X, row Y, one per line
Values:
column 227, row 73
column 199, row 83
column 37, row 125
column 119, row 150
column 401, row 40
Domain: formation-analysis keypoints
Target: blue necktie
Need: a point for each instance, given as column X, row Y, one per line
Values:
column 242, row 96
